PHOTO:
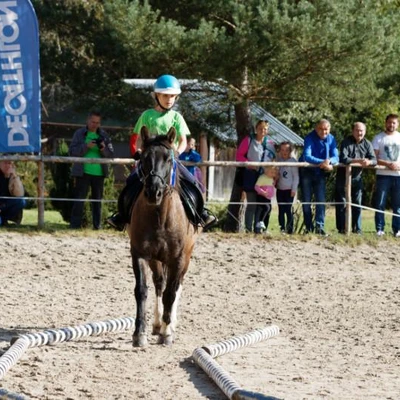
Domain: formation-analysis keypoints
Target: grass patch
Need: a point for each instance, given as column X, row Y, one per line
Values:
column 56, row 225
column 53, row 223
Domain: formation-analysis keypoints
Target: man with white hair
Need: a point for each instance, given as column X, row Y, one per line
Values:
column 355, row 149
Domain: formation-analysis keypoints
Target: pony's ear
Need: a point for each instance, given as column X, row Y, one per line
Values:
column 144, row 134
column 171, row 135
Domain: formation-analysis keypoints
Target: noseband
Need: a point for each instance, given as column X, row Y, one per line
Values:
column 143, row 177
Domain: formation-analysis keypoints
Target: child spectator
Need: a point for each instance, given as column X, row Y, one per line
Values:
column 190, row 154
column 286, row 187
column 265, row 188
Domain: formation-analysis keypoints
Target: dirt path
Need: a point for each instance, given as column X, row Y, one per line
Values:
column 338, row 309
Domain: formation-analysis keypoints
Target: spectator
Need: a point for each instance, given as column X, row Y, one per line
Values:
column 355, row 149
column 265, row 189
column 254, row 148
column 387, row 149
column 159, row 120
column 10, row 186
column 286, row 187
column 319, row 149
column 190, row 154
column 89, row 142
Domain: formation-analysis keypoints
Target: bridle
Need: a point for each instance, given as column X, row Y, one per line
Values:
column 143, row 176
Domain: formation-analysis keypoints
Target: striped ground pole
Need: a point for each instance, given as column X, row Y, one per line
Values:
column 204, row 357
column 6, row 395
column 53, row 336
column 237, row 342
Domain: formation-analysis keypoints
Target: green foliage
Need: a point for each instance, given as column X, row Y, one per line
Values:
column 220, row 210
column 63, row 184
column 28, row 172
column 301, row 59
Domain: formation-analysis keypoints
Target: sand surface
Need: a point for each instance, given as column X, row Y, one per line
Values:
column 338, row 309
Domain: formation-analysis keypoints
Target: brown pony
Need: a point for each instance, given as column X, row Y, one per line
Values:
column 161, row 238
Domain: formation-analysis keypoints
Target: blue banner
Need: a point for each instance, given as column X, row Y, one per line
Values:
column 19, row 78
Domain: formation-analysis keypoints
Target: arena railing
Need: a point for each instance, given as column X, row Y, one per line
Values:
column 41, row 160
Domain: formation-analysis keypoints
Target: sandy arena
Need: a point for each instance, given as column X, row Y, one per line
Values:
column 338, row 309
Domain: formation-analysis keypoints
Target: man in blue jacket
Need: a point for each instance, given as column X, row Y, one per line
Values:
column 319, row 149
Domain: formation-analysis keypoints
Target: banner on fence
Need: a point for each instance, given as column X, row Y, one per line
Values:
column 19, row 78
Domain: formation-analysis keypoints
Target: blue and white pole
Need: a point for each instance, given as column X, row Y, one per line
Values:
column 52, row 336
column 204, row 357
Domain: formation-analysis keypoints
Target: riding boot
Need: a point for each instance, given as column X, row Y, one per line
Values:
column 208, row 218
column 192, row 199
column 126, row 201
column 116, row 221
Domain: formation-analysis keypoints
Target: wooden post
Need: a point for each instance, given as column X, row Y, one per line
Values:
column 348, row 199
column 40, row 191
column 203, row 150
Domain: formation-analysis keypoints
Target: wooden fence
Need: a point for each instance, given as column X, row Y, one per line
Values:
column 41, row 160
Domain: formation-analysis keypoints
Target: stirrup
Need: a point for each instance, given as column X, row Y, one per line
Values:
column 210, row 221
column 116, row 222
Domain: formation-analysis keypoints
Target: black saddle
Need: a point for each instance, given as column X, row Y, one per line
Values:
column 192, row 200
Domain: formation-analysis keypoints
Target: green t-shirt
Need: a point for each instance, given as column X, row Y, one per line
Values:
column 94, row 152
column 159, row 123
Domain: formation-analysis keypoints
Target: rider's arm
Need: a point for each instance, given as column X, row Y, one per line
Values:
column 134, row 143
column 182, row 143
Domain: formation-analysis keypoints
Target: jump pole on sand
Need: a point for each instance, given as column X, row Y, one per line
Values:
column 6, row 395
column 204, row 357
column 52, row 336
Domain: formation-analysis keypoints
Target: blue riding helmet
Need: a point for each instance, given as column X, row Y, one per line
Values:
column 167, row 84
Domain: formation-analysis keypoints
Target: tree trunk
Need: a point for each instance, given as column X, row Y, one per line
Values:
column 243, row 128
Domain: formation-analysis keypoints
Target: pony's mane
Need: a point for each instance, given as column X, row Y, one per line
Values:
column 157, row 140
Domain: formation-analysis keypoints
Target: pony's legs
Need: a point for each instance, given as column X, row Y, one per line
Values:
column 141, row 289
column 171, row 298
column 159, row 285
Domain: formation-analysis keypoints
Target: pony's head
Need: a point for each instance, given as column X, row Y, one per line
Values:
column 156, row 164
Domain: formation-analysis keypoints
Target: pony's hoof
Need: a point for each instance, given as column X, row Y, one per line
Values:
column 139, row 341
column 166, row 340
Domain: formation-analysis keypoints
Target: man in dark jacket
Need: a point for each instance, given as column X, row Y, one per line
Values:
column 355, row 149
column 89, row 142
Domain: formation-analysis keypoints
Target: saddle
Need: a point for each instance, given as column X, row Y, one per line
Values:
column 190, row 194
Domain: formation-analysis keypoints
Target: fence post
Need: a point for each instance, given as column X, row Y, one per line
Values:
column 40, row 191
column 348, row 199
